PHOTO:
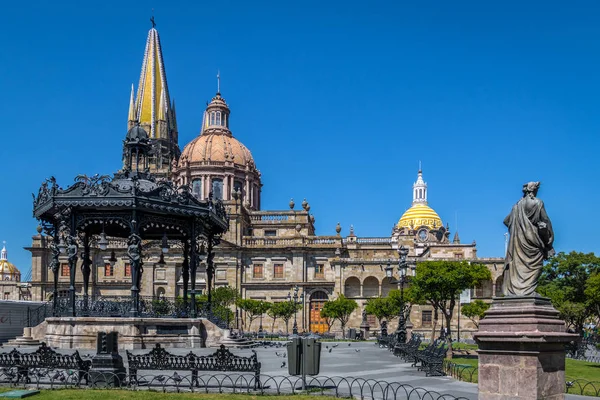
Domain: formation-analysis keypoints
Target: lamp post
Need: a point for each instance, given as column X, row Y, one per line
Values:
column 402, row 269
column 297, row 300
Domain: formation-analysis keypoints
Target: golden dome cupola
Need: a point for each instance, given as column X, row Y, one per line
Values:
column 8, row 272
column 420, row 215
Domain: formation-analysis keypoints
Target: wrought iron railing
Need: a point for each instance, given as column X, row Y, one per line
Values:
column 122, row 306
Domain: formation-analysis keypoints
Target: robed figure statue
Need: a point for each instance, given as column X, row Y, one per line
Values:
column 530, row 243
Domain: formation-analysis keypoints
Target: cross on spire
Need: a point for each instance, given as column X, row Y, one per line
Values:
column 152, row 19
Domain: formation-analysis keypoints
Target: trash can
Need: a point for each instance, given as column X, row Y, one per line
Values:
column 312, row 356
column 352, row 333
column 294, row 349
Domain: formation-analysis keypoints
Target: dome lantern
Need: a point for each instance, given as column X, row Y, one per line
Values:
column 420, row 214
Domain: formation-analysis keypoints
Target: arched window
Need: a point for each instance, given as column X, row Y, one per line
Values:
column 219, row 118
column 212, row 118
column 371, row 287
column 484, row 290
column 160, row 293
column 197, row 188
column 217, row 188
column 352, row 287
column 386, row 286
column 420, row 193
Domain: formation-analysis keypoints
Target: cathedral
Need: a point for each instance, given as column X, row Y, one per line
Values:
column 266, row 254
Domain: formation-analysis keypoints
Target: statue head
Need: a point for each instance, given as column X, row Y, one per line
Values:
column 531, row 188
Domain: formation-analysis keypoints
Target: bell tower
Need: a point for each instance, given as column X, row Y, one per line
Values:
column 153, row 110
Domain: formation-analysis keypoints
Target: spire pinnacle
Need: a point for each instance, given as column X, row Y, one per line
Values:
column 132, row 117
column 420, row 169
column 420, row 189
column 4, row 253
column 218, row 82
column 152, row 19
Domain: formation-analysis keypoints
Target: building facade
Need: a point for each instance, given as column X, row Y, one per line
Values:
column 11, row 287
column 265, row 254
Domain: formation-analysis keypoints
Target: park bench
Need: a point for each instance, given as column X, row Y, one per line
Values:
column 222, row 360
column 43, row 359
column 403, row 350
column 431, row 359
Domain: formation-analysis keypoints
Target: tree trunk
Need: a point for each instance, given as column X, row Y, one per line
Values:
column 448, row 317
column 273, row 325
column 287, row 323
column 435, row 322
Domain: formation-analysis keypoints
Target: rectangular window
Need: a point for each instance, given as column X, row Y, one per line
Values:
column 278, row 271
column 108, row 270
column 6, row 295
column 64, row 269
column 458, row 256
column 271, row 233
column 426, row 318
column 319, row 271
column 127, row 269
column 258, row 271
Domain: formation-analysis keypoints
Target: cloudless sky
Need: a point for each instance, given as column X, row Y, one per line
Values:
column 337, row 101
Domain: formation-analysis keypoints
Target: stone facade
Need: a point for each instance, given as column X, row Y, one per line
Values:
column 265, row 254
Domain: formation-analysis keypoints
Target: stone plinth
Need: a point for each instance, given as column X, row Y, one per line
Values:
column 134, row 333
column 522, row 350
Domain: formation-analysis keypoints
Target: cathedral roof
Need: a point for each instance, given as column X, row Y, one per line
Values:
column 8, row 271
column 420, row 214
column 216, row 142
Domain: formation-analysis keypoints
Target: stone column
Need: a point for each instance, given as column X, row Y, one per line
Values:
column 522, row 350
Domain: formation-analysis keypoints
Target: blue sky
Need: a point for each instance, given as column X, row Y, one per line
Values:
column 338, row 101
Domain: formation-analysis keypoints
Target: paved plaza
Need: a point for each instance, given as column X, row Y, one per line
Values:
column 346, row 360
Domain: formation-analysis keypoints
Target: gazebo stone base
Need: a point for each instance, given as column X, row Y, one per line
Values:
column 134, row 333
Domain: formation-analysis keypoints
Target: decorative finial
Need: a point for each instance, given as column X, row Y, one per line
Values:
column 351, row 230
column 152, row 19
column 292, row 204
column 338, row 228
column 420, row 169
column 218, row 82
column 304, row 204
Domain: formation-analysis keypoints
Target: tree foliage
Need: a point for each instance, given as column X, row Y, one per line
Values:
column 592, row 292
column 222, row 298
column 339, row 309
column 441, row 282
column 564, row 279
column 284, row 310
column 475, row 311
column 388, row 308
column 253, row 308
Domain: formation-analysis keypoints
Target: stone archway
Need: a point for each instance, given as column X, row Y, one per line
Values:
column 352, row 287
column 370, row 287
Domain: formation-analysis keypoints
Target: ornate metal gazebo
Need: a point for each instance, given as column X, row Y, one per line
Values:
column 133, row 205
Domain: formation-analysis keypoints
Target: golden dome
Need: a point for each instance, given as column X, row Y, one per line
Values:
column 7, row 268
column 216, row 148
column 420, row 215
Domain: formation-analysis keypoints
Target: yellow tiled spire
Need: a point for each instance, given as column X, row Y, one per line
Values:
column 152, row 87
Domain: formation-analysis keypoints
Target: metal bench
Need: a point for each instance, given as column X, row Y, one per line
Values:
column 222, row 360
column 44, row 358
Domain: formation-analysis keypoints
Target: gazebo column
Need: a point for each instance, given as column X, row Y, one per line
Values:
column 72, row 251
column 193, row 267
column 85, row 270
column 209, row 269
column 134, row 251
column 185, row 270
column 55, row 265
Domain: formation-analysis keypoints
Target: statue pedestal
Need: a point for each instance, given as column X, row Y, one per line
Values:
column 364, row 328
column 522, row 350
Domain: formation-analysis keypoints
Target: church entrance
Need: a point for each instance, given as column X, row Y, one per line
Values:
column 317, row 323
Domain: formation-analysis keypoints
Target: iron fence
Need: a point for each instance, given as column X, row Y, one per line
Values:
column 227, row 383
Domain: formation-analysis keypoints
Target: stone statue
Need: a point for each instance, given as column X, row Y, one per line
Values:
column 72, row 249
column 530, row 243
column 364, row 316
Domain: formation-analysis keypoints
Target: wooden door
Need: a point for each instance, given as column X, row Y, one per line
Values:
column 317, row 323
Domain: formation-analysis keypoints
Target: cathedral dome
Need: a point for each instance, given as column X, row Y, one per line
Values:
column 420, row 215
column 217, row 148
column 8, row 272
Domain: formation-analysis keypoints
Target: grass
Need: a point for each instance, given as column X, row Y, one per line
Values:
column 574, row 370
column 91, row 394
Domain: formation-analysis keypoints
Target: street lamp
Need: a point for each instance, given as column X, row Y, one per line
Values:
column 297, row 300
column 389, row 272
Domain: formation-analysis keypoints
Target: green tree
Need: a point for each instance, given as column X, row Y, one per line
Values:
column 592, row 292
column 564, row 279
column 475, row 311
column 284, row 310
column 381, row 308
column 441, row 282
column 340, row 309
column 253, row 308
column 223, row 298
